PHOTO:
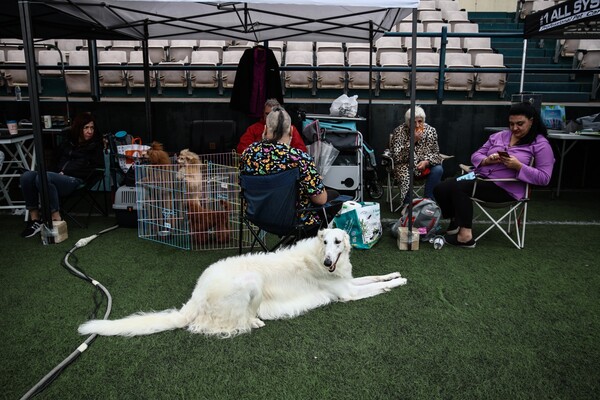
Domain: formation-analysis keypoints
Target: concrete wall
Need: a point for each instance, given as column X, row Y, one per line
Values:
column 460, row 127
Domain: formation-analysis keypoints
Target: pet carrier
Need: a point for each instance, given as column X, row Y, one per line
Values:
column 191, row 206
column 125, row 206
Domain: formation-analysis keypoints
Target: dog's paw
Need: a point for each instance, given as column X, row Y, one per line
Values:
column 393, row 275
column 257, row 323
column 398, row 282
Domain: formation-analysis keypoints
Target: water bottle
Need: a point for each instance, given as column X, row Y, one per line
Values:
column 18, row 93
column 438, row 242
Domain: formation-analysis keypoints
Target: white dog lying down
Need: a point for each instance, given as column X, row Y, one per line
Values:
column 236, row 294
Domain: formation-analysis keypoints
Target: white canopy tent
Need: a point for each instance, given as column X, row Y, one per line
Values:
column 252, row 20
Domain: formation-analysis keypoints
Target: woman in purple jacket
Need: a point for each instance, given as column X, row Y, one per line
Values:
column 506, row 154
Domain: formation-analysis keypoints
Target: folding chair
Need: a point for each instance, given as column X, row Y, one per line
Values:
column 418, row 182
column 269, row 205
column 516, row 211
column 85, row 192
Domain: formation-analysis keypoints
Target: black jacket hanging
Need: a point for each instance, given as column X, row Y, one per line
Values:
column 244, row 92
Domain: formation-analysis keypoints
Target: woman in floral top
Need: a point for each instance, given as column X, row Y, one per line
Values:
column 274, row 154
column 428, row 161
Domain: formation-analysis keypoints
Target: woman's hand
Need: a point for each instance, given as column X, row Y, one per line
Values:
column 511, row 162
column 422, row 165
column 492, row 159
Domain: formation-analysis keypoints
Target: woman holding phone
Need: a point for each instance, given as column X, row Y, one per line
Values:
column 506, row 154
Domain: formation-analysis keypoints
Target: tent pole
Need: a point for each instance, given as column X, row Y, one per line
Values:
column 413, row 96
column 34, row 105
column 369, row 111
column 523, row 65
column 147, row 96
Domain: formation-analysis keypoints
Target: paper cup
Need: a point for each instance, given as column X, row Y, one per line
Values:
column 47, row 121
column 12, row 127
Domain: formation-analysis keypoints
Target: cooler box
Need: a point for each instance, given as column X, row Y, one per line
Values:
column 125, row 207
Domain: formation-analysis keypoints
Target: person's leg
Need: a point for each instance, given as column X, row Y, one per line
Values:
column 402, row 178
column 434, row 177
column 59, row 185
column 487, row 191
column 30, row 193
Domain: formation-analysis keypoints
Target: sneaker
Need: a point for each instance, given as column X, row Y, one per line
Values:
column 453, row 240
column 33, row 228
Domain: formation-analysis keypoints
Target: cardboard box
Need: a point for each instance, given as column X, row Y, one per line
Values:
column 404, row 238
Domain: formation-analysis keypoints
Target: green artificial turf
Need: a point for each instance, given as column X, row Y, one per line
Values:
column 489, row 323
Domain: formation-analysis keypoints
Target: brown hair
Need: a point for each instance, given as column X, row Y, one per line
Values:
column 79, row 122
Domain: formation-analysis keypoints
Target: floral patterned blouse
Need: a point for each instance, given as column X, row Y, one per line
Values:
column 263, row 158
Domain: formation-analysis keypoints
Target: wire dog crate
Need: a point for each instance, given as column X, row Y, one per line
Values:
column 191, row 206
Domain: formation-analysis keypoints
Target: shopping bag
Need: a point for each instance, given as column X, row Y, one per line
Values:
column 129, row 153
column 362, row 221
column 344, row 106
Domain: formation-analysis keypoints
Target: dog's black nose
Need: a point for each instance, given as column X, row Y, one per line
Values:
column 327, row 262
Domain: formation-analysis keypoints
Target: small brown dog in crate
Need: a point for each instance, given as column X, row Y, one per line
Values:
column 209, row 226
column 157, row 155
column 191, row 171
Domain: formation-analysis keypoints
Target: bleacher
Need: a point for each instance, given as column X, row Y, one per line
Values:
column 203, row 68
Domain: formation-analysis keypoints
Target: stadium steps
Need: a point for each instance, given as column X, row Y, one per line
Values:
column 557, row 88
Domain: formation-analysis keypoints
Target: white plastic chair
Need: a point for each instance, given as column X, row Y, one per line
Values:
column 330, row 79
column 490, row 81
column 204, row 78
column 393, row 79
column 298, row 79
column 459, row 81
column 78, row 80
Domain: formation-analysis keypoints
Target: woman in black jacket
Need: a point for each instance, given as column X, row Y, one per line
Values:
column 78, row 157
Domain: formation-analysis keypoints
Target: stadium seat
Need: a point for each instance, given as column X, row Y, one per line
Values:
column 360, row 79
column 136, row 78
column 201, row 78
column 427, row 80
column 16, row 77
column 112, row 78
column 49, row 57
column 459, row 81
column 393, row 79
column 231, row 57
column 490, row 81
column 298, row 79
column 331, row 79
column 78, row 80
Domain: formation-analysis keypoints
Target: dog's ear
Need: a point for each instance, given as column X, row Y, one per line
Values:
column 321, row 234
column 347, row 241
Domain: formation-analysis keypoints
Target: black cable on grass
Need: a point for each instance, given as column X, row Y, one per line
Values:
column 101, row 290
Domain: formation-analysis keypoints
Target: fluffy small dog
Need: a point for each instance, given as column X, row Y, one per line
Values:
column 192, row 171
column 208, row 225
column 235, row 295
column 157, row 155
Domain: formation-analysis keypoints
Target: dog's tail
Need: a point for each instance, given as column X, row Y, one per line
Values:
column 141, row 323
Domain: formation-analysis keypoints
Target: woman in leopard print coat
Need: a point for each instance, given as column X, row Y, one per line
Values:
column 428, row 161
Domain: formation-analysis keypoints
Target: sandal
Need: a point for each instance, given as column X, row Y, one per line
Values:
column 453, row 240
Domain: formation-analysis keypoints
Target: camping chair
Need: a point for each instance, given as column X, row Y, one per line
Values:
column 418, row 182
column 85, row 193
column 515, row 210
column 269, row 205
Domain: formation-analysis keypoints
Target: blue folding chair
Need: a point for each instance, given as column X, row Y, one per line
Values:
column 269, row 205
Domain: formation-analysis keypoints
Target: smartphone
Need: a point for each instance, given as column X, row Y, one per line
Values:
column 503, row 154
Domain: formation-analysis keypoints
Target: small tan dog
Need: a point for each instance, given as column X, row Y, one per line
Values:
column 192, row 171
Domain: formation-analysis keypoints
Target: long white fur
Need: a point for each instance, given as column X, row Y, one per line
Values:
column 235, row 295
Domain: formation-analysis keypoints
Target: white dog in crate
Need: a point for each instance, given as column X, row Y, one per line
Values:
column 235, row 295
